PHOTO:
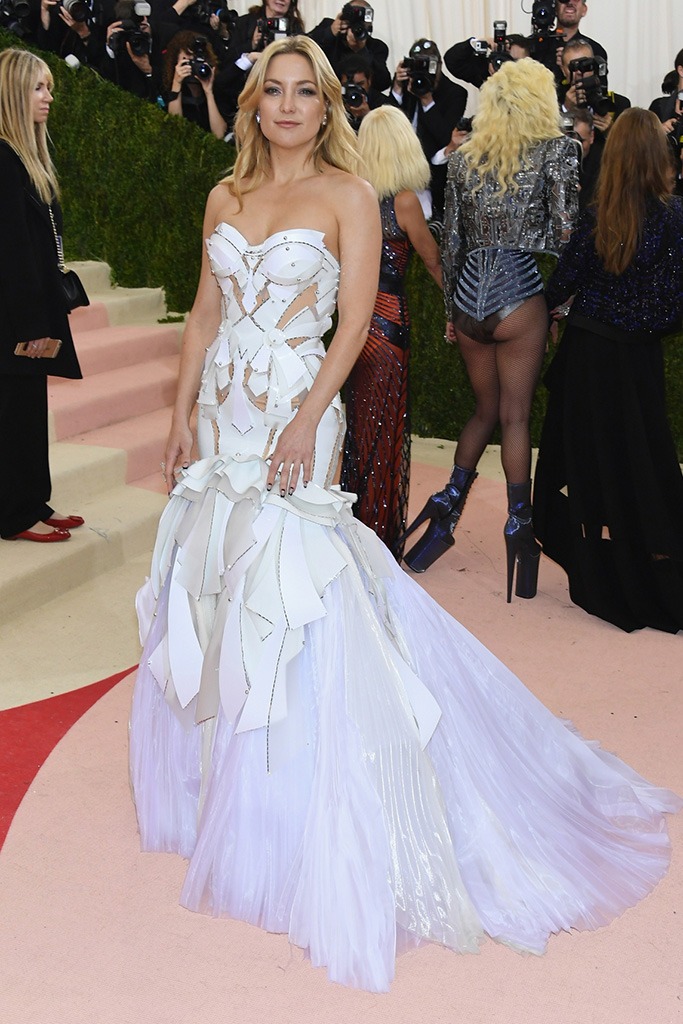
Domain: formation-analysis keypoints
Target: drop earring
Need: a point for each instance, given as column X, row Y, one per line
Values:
column 324, row 121
column 258, row 117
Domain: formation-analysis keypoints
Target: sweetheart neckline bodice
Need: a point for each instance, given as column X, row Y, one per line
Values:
column 271, row 240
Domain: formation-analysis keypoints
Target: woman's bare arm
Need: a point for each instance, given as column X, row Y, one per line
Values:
column 360, row 242
column 411, row 219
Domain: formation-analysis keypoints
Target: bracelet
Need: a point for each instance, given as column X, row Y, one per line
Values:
column 173, row 96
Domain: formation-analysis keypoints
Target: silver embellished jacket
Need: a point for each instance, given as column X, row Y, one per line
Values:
column 537, row 217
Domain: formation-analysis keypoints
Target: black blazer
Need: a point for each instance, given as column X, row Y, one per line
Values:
column 31, row 298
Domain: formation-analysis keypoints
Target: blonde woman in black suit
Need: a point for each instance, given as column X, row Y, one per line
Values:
column 33, row 312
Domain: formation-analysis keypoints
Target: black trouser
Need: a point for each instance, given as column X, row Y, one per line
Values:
column 24, row 464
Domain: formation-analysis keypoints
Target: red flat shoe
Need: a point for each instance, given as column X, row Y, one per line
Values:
column 42, row 538
column 65, row 522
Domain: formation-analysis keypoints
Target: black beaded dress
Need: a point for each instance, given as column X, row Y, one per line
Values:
column 608, row 493
column 376, row 462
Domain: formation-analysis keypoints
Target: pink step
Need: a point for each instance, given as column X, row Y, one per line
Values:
column 104, row 398
column 108, row 348
column 143, row 438
column 89, row 318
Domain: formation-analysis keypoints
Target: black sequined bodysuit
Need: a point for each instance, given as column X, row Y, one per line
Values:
column 376, row 462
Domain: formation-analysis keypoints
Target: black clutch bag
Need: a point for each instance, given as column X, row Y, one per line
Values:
column 74, row 292
column 72, row 286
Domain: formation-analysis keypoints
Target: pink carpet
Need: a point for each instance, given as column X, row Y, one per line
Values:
column 91, row 930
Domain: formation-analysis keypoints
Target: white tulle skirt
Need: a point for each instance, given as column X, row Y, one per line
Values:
column 381, row 779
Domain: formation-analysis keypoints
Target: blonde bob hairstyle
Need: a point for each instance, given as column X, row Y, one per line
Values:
column 518, row 109
column 391, row 155
column 335, row 143
column 20, row 72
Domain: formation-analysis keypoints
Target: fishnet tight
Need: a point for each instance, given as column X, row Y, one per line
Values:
column 504, row 375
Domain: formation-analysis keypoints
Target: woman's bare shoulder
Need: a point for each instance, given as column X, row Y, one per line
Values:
column 348, row 192
column 221, row 203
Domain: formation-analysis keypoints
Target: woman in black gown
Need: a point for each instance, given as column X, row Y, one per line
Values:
column 608, row 496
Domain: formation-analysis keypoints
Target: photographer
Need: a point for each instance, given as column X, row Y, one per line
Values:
column 351, row 32
column 579, row 125
column 585, row 86
column 127, row 59
column 358, row 94
column 669, row 110
column 196, row 16
column 475, row 60
column 434, row 105
column 72, row 27
column 548, row 39
column 251, row 33
column 188, row 73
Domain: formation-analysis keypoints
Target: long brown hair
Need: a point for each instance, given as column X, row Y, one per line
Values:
column 636, row 169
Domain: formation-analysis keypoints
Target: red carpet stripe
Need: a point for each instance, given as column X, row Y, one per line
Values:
column 29, row 733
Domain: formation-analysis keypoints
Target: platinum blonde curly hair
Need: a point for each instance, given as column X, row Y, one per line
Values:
column 518, row 109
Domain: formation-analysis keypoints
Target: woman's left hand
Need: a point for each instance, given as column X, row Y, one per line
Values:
column 293, row 453
column 207, row 83
column 450, row 334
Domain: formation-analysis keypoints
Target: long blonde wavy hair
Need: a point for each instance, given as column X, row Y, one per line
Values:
column 391, row 156
column 518, row 109
column 20, row 71
column 336, row 142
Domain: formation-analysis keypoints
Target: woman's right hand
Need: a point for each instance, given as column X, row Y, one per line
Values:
column 182, row 71
column 178, row 453
column 36, row 348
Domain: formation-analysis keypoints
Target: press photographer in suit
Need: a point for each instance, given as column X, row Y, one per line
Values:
column 434, row 105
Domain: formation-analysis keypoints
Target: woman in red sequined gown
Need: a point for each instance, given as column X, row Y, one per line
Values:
column 376, row 461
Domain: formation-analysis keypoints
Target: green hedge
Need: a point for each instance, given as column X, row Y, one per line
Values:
column 135, row 181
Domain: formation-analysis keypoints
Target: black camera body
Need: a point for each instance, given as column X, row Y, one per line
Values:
column 200, row 68
column 354, row 95
column 465, row 124
column 422, row 74
column 542, row 16
column 593, row 83
column 359, row 20
column 78, row 9
column 204, row 10
column 272, row 29
column 12, row 15
column 131, row 32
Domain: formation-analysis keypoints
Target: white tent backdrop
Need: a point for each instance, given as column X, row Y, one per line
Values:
column 641, row 39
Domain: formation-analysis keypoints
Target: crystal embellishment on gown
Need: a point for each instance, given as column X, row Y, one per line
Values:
column 338, row 758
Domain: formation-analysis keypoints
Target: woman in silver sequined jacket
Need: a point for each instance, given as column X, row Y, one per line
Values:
column 512, row 191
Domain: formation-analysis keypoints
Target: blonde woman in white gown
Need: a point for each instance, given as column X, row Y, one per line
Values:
column 337, row 757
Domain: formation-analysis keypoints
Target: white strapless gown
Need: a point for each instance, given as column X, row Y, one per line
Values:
column 337, row 757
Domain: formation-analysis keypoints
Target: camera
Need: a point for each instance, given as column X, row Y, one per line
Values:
column 131, row 32
column 204, row 10
column 359, row 20
column 12, row 13
column 422, row 73
column 272, row 29
column 200, row 69
column 465, row 124
column 593, row 83
column 542, row 16
column 354, row 95
column 500, row 29
column 78, row 9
